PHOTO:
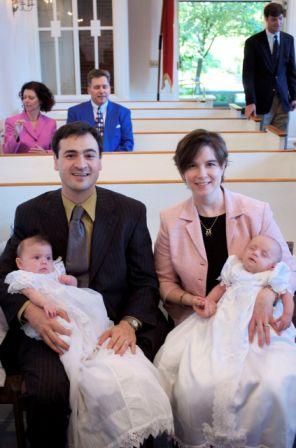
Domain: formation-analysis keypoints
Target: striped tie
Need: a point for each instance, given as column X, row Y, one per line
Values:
column 100, row 121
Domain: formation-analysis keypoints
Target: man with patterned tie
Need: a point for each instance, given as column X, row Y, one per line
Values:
column 269, row 73
column 108, row 228
column 112, row 120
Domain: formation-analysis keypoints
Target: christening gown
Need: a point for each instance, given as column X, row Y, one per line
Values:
column 116, row 401
column 225, row 391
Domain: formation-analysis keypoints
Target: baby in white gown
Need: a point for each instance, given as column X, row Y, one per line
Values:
column 224, row 390
column 116, row 401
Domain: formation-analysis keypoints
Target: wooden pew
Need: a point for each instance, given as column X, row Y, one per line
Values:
column 182, row 125
column 191, row 112
column 153, row 179
column 235, row 140
column 64, row 105
column 147, row 166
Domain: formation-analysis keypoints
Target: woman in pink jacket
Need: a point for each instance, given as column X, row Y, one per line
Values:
column 194, row 241
column 30, row 131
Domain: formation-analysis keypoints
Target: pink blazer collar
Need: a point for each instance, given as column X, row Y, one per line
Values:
column 34, row 133
column 233, row 209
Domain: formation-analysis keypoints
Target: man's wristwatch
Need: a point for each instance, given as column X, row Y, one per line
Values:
column 134, row 323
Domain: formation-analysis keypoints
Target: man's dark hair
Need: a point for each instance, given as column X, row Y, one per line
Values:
column 43, row 93
column 77, row 128
column 273, row 9
column 98, row 73
column 37, row 238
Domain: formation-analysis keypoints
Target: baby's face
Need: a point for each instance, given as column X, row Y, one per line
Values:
column 36, row 258
column 260, row 255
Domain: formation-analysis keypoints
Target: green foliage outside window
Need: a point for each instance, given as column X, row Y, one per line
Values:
column 202, row 24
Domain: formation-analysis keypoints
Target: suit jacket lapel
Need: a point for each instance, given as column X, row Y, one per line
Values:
column 266, row 53
column 233, row 211
column 105, row 221
column 55, row 224
column 89, row 114
column 281, row 51
column 109, row 125
column 193, row 228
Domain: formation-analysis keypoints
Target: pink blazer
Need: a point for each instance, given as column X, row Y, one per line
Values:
column 29, row 137
column 180, row 255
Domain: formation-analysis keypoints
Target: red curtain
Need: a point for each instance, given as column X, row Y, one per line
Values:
column 167, row 31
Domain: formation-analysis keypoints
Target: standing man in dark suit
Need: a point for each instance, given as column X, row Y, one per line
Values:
column 121, row 268
column 112, row 120
column 269, row 73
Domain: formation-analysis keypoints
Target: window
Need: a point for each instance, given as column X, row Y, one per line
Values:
column 75, row 36
column 211, row 38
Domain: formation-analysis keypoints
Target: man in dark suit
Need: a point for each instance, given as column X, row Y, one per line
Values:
column 121, row 268
column 269, row 73
column 112, row 120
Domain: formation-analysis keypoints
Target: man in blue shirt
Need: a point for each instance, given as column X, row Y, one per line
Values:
column 112, row 120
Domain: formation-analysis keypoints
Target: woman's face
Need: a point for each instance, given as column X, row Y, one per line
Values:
column 30, row 101
column 204, row 175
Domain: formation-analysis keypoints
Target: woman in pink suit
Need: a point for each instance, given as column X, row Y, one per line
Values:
column 194, row 241
column 30, row 131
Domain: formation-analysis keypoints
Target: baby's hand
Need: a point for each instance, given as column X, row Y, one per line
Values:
column 68, row 280
column 50, row 309
column 282, row 322
column 208, row 310
column 199, row 301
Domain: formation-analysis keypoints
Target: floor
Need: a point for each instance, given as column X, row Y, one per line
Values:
column 7, row 432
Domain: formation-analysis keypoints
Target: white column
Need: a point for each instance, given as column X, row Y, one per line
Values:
column 291, row 29
column 121, row 49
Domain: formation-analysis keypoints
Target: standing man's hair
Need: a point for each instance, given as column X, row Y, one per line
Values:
column 77, row 128
column 98, row 73
column 273, row 9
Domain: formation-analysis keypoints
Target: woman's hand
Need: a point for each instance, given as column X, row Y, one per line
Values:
column 262, row 318
column 37, row 149
column 18, row 127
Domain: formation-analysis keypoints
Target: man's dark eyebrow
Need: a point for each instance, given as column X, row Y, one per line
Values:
column 74, row 151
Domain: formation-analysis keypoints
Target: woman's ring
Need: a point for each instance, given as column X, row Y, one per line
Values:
column 266, row 325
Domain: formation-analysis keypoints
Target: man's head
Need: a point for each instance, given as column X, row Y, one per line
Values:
column 99, row 86
column 261, row 254
column 34, row 254
column 274, row 17
column 77, row 157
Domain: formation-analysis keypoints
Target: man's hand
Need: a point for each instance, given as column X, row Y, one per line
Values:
column 121, row 337
column 48, row 328
column 250, row 110
column 262, row 318
column 293, row 105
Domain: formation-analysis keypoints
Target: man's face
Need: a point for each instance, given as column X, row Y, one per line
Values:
column 99, row 90
column 78, row 164
column 274, row 24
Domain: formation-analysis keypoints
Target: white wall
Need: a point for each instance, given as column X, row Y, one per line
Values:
column 144, row 29
column 18, row 55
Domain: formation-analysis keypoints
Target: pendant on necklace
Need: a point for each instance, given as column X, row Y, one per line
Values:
column 208, row 232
